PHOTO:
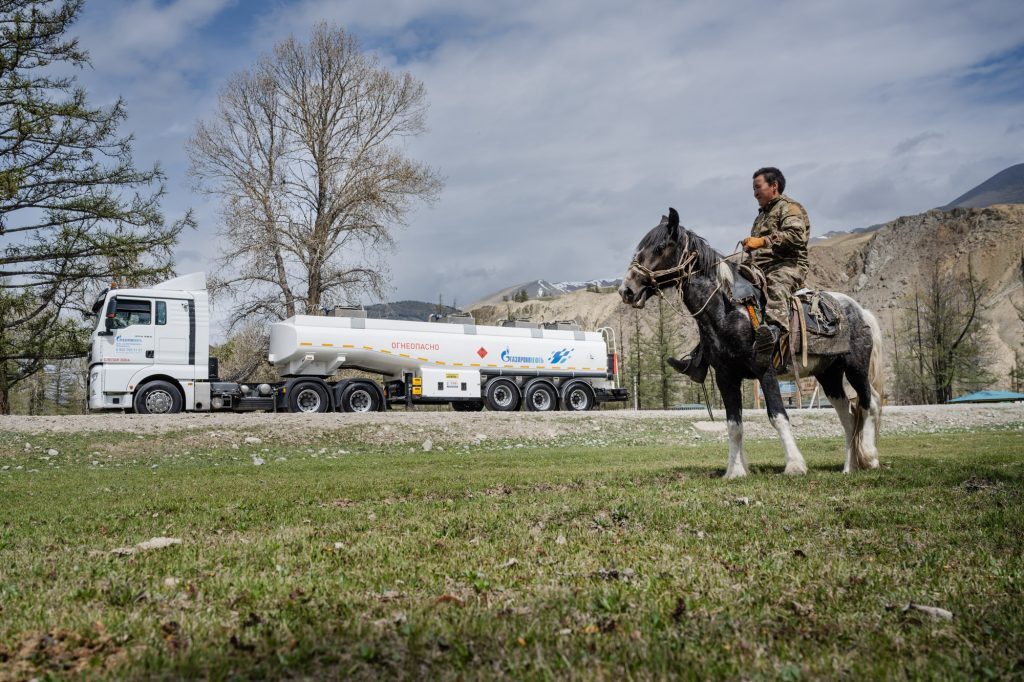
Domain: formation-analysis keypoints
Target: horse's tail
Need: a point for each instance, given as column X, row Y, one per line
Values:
column 863, row 444
column 876, row 377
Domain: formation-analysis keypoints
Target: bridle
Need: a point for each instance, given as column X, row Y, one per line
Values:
column 677, row 275
column 659, row 279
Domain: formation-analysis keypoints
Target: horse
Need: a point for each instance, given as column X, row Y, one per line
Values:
column 671, row 257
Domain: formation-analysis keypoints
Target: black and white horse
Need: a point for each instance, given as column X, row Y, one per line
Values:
column 671, row 257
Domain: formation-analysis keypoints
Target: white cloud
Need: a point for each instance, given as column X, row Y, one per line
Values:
column 566, row 129
column 126, row 37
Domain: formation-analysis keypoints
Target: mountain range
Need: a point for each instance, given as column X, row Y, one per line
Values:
column 1005, row 187
column 410, row 311
column 541, row 288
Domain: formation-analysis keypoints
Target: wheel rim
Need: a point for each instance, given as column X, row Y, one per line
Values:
column 360, row 401
column 541, row 400
column 578, row 399
column 308, row 400
column 502, row 396
column 159, row 401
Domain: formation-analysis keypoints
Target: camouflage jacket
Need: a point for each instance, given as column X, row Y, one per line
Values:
column 787, row 229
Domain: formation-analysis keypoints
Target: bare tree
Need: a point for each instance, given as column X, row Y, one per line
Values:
column 1020, row 272
column 943, row 335
column 1017, row 373
column 303, row 153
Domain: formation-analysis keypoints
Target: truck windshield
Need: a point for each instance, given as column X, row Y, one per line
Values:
column 130, row 312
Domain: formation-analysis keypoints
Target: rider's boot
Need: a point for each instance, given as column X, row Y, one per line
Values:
column 693, row 365
column 766, row 337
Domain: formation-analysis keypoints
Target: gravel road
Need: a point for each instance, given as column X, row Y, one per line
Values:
column 450, row 427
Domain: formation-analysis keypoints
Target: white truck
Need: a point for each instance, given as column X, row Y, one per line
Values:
column 150, row 354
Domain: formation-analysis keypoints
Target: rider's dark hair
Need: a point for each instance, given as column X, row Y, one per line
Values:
column 771, row 176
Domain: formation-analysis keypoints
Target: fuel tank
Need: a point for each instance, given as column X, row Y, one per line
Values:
column 319, row 346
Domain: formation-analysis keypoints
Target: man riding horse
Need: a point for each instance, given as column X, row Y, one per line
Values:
column 778, row 247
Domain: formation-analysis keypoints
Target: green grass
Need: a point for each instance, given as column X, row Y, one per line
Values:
column 590, row 562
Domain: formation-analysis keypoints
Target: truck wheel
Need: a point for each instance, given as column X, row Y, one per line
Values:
column 502, row 395
column 359, row 397
column 158, row 397
column 541, row 397
column 308, row 396
column 578, row 397
column 467, row 405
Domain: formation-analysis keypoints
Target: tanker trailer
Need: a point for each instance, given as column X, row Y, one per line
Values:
column 150, row 354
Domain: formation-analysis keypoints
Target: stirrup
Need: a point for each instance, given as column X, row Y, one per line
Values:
column 765, row 339
column 686, row 365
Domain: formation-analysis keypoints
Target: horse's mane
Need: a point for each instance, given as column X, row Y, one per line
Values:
column 707, row 258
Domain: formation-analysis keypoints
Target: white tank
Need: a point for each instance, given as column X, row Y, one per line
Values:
column 318, row 346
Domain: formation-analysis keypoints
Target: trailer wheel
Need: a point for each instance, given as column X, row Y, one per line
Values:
column 502, row 395
column 158, row 397
column 359, row 397
column 541, row 397
column 578, row 397
column 309, row 397
column 467, row 405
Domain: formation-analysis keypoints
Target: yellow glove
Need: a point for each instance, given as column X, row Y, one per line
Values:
column 751, row 243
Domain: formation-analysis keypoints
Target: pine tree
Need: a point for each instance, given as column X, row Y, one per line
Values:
column 74, row 209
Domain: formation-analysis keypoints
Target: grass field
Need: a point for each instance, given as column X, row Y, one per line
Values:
column 335, row 559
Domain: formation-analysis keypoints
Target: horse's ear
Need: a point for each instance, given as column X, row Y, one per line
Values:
column 673, row 222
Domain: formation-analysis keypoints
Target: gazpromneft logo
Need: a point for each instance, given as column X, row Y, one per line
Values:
column 560, row 356
column 507, row 356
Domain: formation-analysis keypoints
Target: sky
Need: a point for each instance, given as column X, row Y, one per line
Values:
column 564, row 129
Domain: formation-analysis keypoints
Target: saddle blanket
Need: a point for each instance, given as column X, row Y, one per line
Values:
column 819, row 322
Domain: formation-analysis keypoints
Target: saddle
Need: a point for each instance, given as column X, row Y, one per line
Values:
column 817, row 325
column 748, row 287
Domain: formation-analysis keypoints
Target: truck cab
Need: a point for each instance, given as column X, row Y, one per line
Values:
column 149, row 351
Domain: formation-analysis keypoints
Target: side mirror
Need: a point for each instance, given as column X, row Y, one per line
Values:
column 110, row 317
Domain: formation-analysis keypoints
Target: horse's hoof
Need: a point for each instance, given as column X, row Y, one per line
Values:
column 795, row 470
column 731, row 475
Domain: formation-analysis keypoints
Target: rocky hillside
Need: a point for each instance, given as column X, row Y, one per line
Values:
column 591, row 310
column 883, row 267
column 878, row 268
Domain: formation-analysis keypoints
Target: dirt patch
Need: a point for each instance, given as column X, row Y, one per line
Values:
column 60, row 652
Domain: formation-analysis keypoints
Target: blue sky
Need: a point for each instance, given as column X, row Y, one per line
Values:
column 565, row 128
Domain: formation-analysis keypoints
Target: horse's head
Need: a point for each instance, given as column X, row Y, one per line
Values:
column 658, row 251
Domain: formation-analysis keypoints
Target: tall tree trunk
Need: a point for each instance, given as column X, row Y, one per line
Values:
column 663, row 347
column 636, row 363
column 5, row 390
